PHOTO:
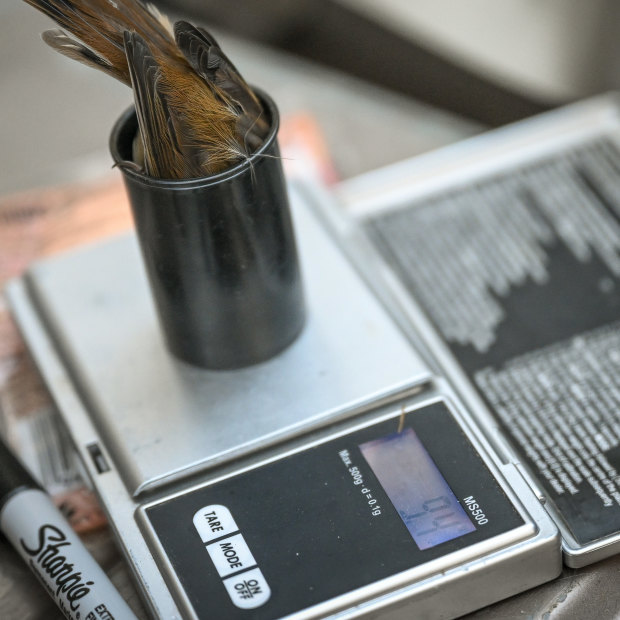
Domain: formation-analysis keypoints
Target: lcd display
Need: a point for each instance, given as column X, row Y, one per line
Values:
column 416, row 488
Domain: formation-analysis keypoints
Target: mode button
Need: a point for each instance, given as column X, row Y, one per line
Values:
column 231, row 555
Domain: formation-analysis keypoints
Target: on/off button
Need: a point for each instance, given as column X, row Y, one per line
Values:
column 248, row 590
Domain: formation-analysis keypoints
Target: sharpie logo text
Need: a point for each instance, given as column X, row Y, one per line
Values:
column 49, row 559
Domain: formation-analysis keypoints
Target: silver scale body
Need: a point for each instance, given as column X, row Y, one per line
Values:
column 147, row 426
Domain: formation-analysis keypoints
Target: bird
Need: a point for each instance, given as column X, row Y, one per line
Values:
column 196, row 114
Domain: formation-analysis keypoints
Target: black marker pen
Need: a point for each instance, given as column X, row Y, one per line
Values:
column 54, row 552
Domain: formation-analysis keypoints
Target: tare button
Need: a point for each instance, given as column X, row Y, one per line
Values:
column 231, row 555
column 213, row 522
column 248, row 590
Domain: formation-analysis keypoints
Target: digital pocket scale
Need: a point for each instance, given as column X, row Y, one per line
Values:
column 403, row 457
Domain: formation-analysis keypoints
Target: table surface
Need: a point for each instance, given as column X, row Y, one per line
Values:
column 54, row 128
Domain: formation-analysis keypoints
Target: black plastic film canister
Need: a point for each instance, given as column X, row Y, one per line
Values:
column 220, row 254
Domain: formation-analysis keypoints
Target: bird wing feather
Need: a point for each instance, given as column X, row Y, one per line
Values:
column 162, row 157
column 75, row 50
column 204, row 55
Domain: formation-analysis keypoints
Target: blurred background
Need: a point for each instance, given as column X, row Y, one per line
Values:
column 479, row 63
column 492, row 61
column 383, row 80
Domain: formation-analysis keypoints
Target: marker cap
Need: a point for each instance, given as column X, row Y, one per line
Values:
column 14, row 476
